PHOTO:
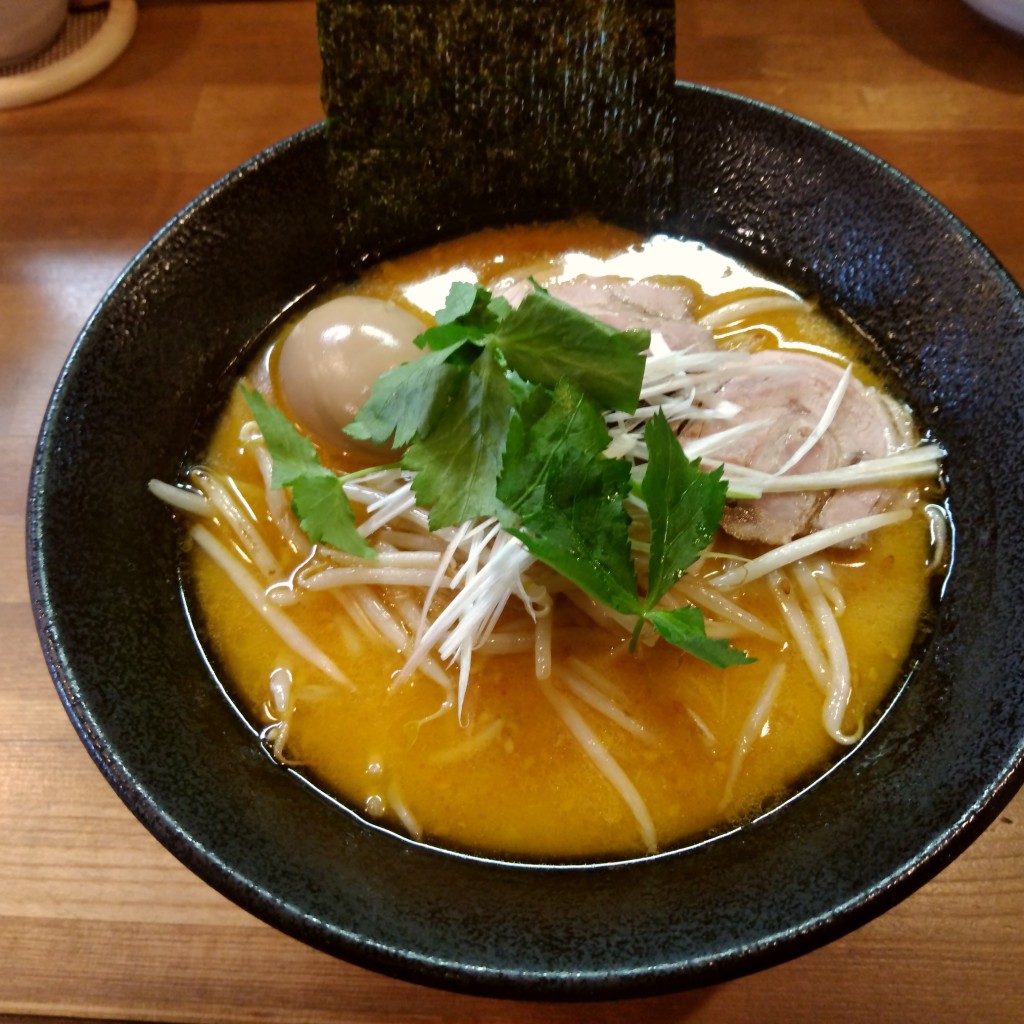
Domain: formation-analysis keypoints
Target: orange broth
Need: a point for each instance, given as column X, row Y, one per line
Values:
column 509, row 780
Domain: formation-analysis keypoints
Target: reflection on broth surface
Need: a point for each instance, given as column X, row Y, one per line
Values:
column 459, row 689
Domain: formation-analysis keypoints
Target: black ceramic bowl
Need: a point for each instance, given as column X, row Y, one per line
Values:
column 156, row 360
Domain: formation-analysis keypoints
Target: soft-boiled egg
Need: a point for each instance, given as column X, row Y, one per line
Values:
column 331, row 358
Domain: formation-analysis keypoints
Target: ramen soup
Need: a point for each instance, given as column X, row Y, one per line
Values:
column 457, row 686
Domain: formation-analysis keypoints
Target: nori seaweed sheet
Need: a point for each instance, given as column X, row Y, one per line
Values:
column 442, row 117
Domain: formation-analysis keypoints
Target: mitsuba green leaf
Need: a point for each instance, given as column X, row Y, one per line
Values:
column 472, row 305
column 464, row 298
column 294, row 455
column 684, row 505
column 546, row 340
column 409, row 400
column 458, row 462
column 564, row 500
column 470, row 314
column 498, row 308
column 530, row 402
column 684, row 627
column 326, row 516
column 549, row 434
column 446, row 335
column 318, row 495
column 469, row 308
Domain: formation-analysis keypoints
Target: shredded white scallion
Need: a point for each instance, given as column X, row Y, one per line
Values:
column 914, row 464
column 820, row 428
column 811, row 544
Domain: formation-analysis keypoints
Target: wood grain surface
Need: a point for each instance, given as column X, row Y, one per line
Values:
column 97, row 920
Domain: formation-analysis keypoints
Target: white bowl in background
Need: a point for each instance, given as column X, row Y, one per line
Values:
column 1008, row 13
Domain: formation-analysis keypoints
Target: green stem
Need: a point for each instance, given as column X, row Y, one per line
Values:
column 637, row 630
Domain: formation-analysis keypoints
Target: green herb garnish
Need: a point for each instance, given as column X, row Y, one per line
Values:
column 318, row 495
column 503, row 416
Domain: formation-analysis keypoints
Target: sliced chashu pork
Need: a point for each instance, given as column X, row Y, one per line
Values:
column 664, row 310
column 790, row 391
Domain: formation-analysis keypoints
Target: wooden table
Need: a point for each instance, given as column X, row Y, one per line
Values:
column 97, row 920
